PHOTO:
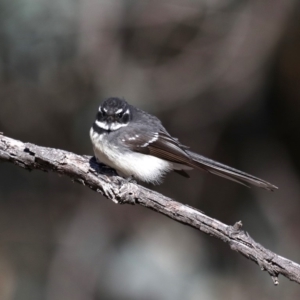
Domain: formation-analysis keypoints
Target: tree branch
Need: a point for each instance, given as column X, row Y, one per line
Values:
column 86, row 171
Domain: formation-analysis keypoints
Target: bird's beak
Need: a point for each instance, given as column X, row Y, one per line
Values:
column 110, row 119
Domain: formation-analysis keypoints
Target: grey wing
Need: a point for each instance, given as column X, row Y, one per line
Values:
column 162, row 145
column 159, row 144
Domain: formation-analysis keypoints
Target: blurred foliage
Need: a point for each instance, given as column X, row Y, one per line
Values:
column 224, row 78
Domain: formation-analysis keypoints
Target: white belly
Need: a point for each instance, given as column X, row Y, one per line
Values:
column 141, row 166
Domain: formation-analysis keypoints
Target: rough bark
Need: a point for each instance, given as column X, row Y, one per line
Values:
column 85, row 170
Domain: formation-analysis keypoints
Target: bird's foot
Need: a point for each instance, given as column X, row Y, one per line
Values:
column 131, row 179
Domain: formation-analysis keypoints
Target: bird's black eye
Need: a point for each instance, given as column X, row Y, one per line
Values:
column 125, row 118
column 120, row 115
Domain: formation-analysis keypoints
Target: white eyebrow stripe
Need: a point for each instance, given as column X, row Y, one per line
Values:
column 119, row 110
column 102, row 108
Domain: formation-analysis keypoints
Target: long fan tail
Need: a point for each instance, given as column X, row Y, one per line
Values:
column 211, row 166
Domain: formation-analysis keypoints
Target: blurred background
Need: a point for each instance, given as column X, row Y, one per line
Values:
column 223, row 75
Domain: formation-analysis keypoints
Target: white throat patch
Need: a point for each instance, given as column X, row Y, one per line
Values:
column 112, row 127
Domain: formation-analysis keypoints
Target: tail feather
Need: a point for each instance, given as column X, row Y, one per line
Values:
column 211, row 166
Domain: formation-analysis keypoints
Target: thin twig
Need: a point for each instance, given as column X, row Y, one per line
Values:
column 86, row 171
